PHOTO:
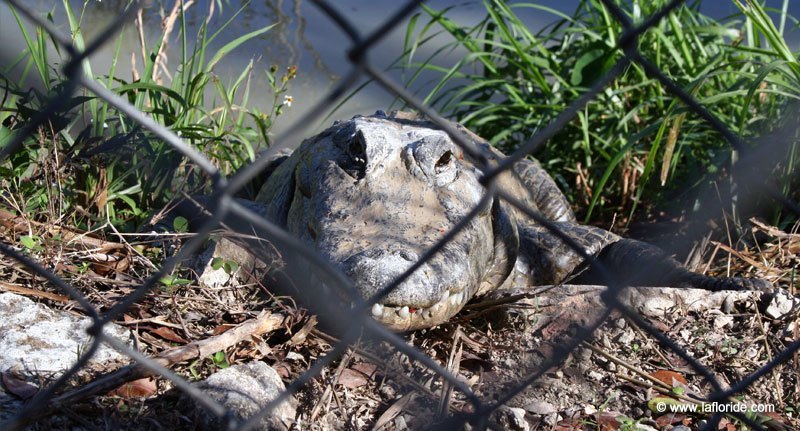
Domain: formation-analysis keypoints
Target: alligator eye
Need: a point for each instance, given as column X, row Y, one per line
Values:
column 444, row 161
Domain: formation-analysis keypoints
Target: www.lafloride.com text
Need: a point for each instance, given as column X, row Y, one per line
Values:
column 721, row 408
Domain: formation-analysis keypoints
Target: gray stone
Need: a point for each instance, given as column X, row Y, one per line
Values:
column 243, row 390
column 540, row 407
column 226, row 250
column 36, row 338
column 511, row 418
column 782, row 304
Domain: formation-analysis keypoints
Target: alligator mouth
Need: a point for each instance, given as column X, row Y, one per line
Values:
column 407, row 317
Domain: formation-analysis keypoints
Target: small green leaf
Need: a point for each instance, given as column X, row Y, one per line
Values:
column 217, row 263
column 219, row 360
column 231, row 267
column 30, row 242
column 181, row 225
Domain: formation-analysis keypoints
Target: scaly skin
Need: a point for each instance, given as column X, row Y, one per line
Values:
column 373, row 193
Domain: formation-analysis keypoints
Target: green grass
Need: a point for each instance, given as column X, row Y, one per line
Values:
column 635, row 146
column 94, row 165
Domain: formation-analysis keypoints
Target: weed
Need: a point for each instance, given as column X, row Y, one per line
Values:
column 98, row 165
column 635, row 142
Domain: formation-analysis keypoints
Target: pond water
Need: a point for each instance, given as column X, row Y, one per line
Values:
column 305, row 37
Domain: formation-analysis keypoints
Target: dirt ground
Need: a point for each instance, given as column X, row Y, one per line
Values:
column 615, row 379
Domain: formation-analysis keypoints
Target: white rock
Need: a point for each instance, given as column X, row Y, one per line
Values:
column 781, row 304
column 540, row 407
column 226, row 250
column 243, row 390
column 517, row 419
column 36, row 338
column 722, row 321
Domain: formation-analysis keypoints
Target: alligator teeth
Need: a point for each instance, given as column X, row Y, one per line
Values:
column 455, row 298
column 426, row 314
column 403, row 312
column 377, row 310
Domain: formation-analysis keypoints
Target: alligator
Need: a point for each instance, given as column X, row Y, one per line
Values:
column 372, row 194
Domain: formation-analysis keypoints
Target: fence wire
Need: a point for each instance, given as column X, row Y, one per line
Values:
column 359, row 325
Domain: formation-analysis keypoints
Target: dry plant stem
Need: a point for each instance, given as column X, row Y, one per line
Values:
column 139, row 23
column 649, row 341
column 127, row 244
column 14, row 224
column 266, row 322
column 622, row 363
column 776, row 371
column 158, row 320
column 711, row 259
column 393, row 410
column 8, row 287
column 363, row 354
column 661, row 389
column 740, row 256
column 453, row 366
column 326, row 395
column 167, row 25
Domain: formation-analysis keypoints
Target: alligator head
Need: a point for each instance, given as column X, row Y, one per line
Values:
column 372, row 194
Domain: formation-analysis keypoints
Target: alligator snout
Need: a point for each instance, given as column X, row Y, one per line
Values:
column 374, row 268
column 426, row 297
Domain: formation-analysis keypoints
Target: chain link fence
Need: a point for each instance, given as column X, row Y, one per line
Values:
column 359, row 325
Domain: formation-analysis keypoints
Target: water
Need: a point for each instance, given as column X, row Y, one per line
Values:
column 304, row 37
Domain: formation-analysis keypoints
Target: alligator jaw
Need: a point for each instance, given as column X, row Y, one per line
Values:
column 406, row 318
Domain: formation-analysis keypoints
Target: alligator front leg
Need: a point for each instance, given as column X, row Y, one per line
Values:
column 546, row 259
column 640, row 264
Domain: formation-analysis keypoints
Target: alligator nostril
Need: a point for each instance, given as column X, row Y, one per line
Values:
column 409, row 255
column 312, row 232
column 355, row 164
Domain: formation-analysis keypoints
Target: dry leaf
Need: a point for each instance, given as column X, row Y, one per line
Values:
column 141, row 388
column 283, row 369
column 569, row 425
column 607, row 422
column 221, row 328
column 670, row 419
column 367, row 368
column 169, row 334
column 20, row 388
column 300, row 337
column 670, row 378
column 556, row 327
column 726, row 425
column 352, row 379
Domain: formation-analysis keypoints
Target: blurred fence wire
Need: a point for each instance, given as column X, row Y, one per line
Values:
column 360, row 321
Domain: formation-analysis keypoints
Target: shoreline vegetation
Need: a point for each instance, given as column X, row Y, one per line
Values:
column 90, row 165
column 635, row 146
